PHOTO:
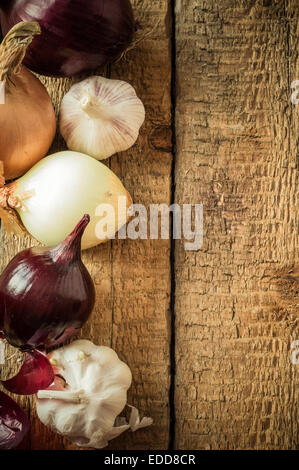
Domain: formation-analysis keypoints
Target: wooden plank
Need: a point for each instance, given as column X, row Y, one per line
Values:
column 141, row 269
column 132, row 277
column 237, row 298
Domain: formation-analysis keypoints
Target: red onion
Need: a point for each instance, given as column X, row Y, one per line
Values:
column 77, row 35
column 46, row 294
column 14, row 423
column 35, row 374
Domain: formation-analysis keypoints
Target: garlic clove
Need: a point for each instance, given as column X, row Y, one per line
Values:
column 101, row 117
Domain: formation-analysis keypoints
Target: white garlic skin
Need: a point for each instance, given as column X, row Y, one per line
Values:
column 101, row 117
column 99, row 380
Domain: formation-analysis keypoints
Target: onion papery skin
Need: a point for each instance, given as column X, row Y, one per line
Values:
column 62, row 187
column 46, row 295
column 35, row 374
column 14, row 423
column 27, row 117
column 27, row 124
column 77, row 35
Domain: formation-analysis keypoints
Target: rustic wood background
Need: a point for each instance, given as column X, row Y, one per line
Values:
column 207, row 334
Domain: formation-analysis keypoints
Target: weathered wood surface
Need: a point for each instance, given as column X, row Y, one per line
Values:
column 236, row 300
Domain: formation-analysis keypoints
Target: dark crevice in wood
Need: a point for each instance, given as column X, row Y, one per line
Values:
column 172, row 252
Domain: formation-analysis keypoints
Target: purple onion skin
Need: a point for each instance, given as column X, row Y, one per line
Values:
column 14, row 423
column 46, row 294
column 77, row 35
column 35, row 374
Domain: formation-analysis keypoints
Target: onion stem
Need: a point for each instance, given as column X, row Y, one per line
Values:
column 13, row 48
column 7, row 199
column 4, row 195
column 8, row 214
column 70, row 248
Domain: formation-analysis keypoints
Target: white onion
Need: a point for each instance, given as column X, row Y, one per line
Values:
column 59, row 190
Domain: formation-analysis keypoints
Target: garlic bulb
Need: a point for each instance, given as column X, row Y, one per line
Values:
column 85, row 408
column 101, row 117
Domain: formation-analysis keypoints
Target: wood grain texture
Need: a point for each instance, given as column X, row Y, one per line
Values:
column 132, row 278
column 237, row 299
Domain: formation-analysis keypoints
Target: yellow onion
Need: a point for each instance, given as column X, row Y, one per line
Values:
column 27, row 118
column 51, row 197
